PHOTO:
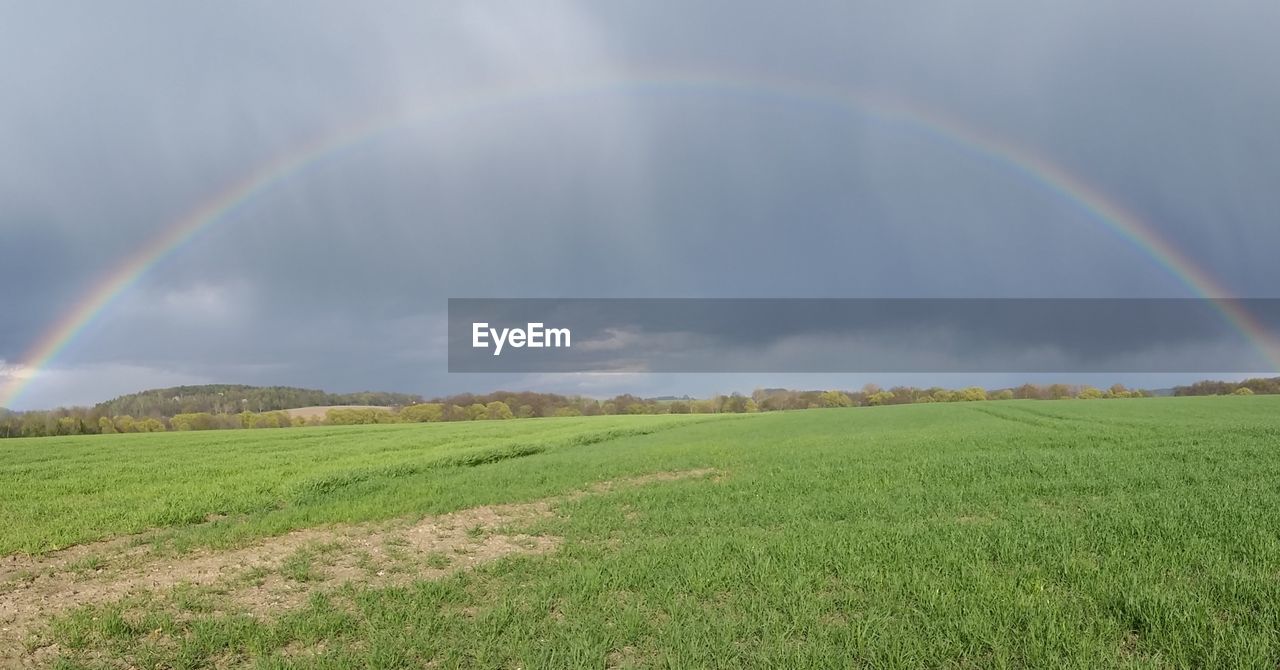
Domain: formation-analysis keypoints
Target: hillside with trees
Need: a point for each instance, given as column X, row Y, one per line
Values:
column 236, row 398
column 214, row 407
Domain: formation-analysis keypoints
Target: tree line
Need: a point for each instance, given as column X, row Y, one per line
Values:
column 236, row 398
column 202, row 407
column 217, row 407
column 1259, row 386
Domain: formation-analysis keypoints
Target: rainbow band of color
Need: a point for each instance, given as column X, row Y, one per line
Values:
column 1016, row 159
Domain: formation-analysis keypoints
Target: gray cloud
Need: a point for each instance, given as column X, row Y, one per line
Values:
column 120, row 120
column 864, row 335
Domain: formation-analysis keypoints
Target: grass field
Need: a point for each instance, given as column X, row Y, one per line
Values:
column 1122, row 533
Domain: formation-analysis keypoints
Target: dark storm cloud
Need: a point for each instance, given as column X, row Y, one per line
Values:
column 119, row 120
column 860, row 335
column 39, row 274
column 1159, row 104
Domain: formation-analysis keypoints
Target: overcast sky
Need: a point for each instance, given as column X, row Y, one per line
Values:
column 120, row 118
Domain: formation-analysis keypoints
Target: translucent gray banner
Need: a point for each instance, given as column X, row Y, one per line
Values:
column 863, row 335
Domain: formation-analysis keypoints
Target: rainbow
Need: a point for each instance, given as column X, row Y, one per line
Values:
column 1016, row 159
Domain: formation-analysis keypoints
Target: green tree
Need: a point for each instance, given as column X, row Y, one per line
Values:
column 192, row 421
column 1119, row 391
column 1028, row 392
column 150, row 426
column 972, row 393
column 423, row 413
column 835, row 399
column 269, row 420
column 125, row 424
column 703, row 407
column 1089, row 393
column 69, row 425
column 879, row 398
column 356, row 416
column 1059, row 391
column 734, row 403
column 498, row 411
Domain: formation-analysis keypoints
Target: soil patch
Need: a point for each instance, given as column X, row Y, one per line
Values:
column 278, row 573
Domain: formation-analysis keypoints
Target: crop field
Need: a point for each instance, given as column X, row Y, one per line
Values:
column 1138, row 533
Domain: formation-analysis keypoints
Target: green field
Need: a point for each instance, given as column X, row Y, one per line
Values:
column 1119, row 533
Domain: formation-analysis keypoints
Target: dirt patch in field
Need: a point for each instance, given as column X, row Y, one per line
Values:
column 78, row 559
column 278, row 573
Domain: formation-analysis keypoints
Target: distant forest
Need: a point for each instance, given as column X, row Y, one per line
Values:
column 1261, row 386
column 236, row 398
column 223, row 406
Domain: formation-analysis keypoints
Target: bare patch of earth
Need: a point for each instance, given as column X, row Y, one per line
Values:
column 278, row 573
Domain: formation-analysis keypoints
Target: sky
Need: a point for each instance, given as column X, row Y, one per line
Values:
column 620, row 149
